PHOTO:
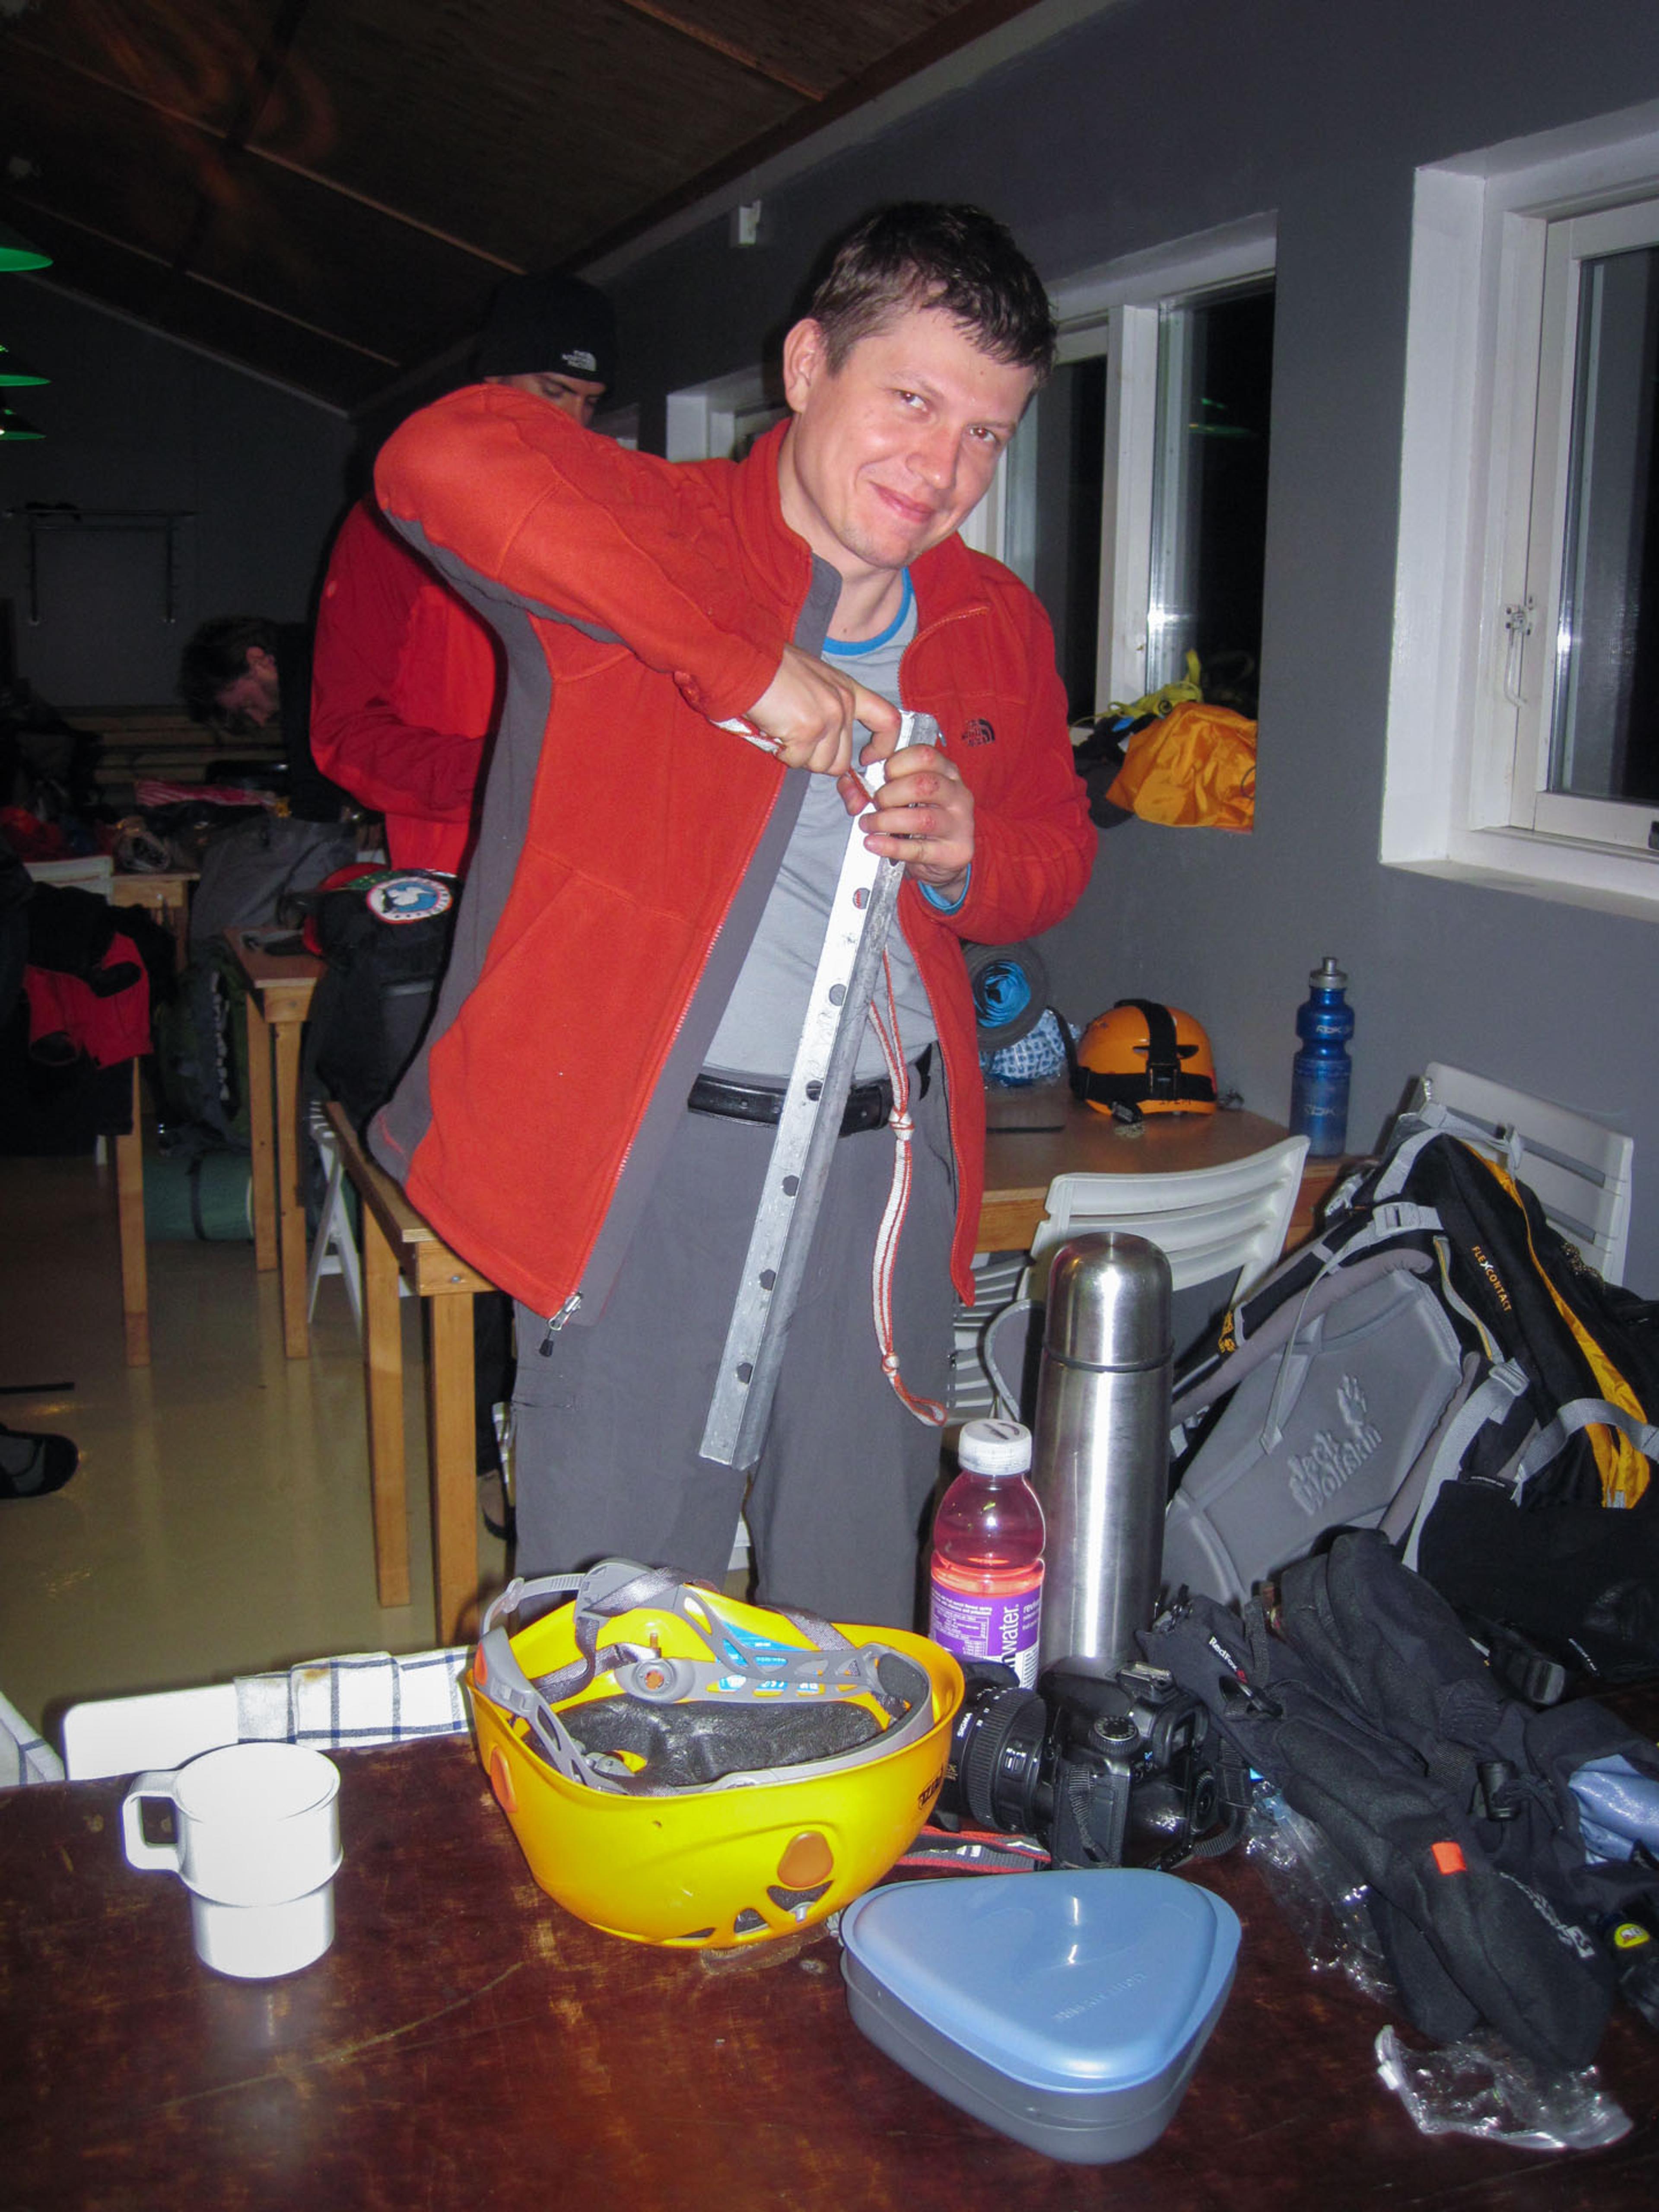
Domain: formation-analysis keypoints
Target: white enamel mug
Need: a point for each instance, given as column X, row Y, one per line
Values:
column 255, row 1941
column 255, row 1824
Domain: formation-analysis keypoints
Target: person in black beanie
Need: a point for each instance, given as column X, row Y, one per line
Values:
column 553, row 336
column 407, row 681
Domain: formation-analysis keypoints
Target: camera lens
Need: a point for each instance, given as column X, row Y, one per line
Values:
column 1001, row 1760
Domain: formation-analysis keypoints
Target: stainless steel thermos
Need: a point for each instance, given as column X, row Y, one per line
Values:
column 1101, row 1450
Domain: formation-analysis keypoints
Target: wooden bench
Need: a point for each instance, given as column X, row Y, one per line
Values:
column 138, row 743
column 398, row 1242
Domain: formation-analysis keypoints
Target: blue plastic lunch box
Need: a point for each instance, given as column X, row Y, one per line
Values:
column 1067, row 2010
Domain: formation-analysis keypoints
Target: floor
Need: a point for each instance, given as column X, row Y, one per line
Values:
column 219, row 1522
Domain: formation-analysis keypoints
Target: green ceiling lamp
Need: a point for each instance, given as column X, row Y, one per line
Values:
column 13, row 369
column 15, row 427
column 16, row 252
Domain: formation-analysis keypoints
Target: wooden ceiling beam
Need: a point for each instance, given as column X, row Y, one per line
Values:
column 699, row 35
column 267, row 68
column 211, row 285
column 271, row 159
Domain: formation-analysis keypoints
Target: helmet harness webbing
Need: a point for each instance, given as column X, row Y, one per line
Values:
column 736, row 1672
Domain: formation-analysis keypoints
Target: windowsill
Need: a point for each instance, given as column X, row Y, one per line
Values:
column 1548, row 868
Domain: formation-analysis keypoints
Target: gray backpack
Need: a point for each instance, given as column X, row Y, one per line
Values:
column 1439, row 1364
column 1328, row 1412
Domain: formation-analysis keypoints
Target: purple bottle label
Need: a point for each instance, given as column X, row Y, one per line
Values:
column 1005, row 1628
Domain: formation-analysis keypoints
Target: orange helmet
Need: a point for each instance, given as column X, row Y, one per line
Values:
column 1143, row 1057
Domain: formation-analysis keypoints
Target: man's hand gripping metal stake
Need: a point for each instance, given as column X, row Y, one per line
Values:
column 838, row 1007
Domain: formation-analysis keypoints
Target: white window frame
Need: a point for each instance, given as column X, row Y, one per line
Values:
column 1484, row 438
column 620, row 424
column 706, row 421
column 1116, row 310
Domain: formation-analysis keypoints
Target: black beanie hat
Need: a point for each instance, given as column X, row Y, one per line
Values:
column 548, row 321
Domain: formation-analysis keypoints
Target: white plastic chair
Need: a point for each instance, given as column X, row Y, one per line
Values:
column 1208, row 1223
column 25, row 1757
column 334, row 1248
column 973, row 1396
column 1223, row 1225
column 1579, row 1172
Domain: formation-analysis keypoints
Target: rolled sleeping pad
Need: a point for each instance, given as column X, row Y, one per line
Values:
column 207, row 1198
column 1010, row 986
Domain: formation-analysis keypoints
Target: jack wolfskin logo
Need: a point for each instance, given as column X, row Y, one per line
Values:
column 979, row 732
column 1332, row 1459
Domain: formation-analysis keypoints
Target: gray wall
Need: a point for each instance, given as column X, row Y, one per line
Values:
column 1160, row 119
column 133, row 421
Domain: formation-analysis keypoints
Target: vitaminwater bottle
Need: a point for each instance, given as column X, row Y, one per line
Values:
column 1320, row 1071
column 986, row 1572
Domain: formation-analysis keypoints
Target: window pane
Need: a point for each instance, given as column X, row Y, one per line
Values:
column 1210, row 494
column 1605, row 734
column 1058, row 461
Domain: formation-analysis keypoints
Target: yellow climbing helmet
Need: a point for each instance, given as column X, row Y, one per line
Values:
column 682, row 1768
column 1143, row 1058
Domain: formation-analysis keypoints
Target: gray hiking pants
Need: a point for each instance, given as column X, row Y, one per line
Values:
column 608, row 1424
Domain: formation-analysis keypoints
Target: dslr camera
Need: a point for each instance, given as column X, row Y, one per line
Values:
column 1103, row 1770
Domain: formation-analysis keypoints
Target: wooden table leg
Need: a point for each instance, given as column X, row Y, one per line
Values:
column 290, row 1198
column 177, row 920
column 260, row 1136
column 383, row 1376
column 452, row 1450
column 130, row 1199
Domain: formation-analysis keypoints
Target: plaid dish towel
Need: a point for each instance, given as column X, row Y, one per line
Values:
column 363, row 1698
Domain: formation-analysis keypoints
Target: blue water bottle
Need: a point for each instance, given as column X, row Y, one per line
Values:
column 1321, row 1071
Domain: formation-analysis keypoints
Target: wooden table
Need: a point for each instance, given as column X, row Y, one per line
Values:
column 398, row 1242
column 1035, row 1135
column 279, row 992
column 164, row 892
column 467, row 2045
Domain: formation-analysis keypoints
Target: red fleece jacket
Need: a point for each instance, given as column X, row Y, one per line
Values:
column 405, row 685
column 639, row 602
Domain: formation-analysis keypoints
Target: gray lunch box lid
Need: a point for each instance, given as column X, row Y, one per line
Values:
column 1067, row 2009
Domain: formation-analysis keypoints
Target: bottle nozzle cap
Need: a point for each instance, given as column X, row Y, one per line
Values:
column 994, row 1448
column 1328, row 976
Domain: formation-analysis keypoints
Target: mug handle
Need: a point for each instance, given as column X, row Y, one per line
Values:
column 147, row 1856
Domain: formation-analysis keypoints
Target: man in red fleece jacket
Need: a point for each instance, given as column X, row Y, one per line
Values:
column 589, row 1121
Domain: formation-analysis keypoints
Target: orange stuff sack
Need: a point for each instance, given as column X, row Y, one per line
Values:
column 1195, row 766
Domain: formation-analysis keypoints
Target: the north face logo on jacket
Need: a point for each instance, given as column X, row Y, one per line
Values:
column 979, row 732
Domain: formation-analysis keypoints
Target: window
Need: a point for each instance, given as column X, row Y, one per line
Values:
column 721, row 420
column 1135, row 495
column 1586, row 682
column 1524, row 719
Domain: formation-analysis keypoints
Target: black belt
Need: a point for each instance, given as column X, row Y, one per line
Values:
column 868, row 1104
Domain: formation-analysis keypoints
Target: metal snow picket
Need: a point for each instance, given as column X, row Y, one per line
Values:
column 860, row 915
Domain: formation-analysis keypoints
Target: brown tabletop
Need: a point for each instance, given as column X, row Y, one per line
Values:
column 1035, row 1135
column 467, row 2044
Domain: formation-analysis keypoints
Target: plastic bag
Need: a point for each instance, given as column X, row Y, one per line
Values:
column 1323, row 1904
column 1480, row 2087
